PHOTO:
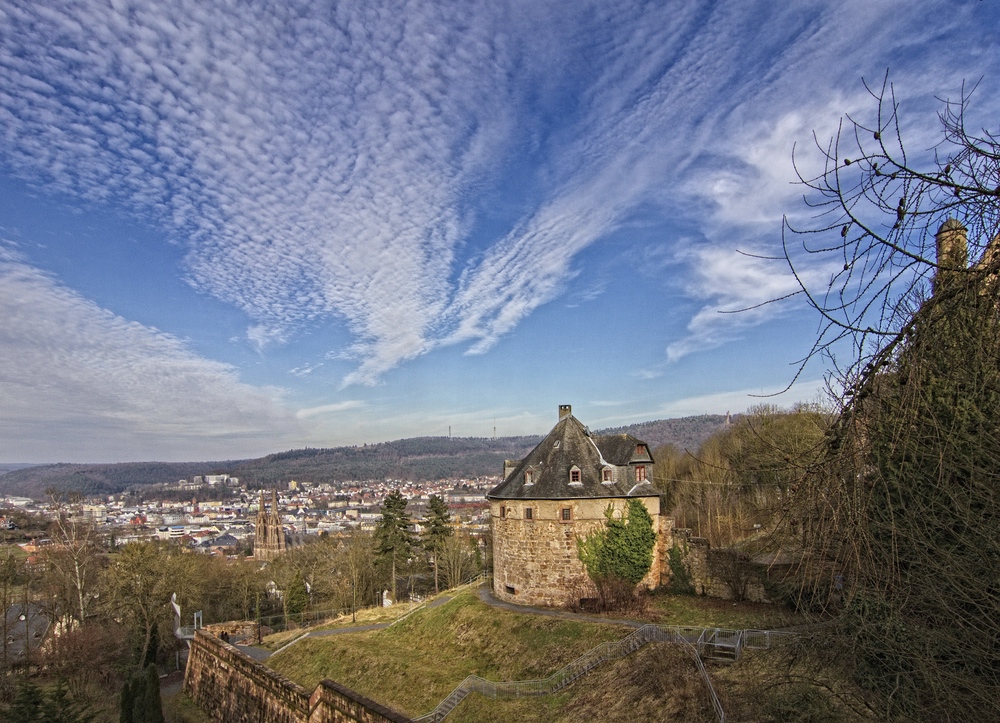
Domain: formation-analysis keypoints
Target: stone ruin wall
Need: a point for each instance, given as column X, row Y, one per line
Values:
column 230, row 686
column 695, row 557
column 538, row 557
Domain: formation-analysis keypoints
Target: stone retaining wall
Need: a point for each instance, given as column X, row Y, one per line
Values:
column 232, row 687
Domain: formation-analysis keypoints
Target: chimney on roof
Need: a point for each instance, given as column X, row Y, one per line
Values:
column 565, row 410
column 952, row 252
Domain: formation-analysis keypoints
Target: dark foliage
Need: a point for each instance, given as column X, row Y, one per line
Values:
column 899, row 519
column 140, row 698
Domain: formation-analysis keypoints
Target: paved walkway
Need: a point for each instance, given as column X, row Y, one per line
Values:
column 263, row 654
column 486, row 595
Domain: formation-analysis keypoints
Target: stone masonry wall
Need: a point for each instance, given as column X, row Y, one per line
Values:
column 707, row 581
column 537, row 558
column 230, row 686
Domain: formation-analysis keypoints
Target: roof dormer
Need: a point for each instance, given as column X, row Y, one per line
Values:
column 575, row 476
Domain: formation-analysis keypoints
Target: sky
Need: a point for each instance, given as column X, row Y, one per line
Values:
column 231, row 228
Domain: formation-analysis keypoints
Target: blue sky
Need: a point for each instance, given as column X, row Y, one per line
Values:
column 233, row 228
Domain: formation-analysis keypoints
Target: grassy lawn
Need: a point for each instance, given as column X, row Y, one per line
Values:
column 413, row 665
column 707, row 612
column 178, row 708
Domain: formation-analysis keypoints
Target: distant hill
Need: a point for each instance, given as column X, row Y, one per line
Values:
column 684, row 432
column 416, row 459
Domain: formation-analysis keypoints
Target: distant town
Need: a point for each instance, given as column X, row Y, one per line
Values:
column 221, row 522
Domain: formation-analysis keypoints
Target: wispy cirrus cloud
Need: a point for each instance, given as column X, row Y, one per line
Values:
column 313, row 161
column 324, row 164
column 78, row 382
column 335, row 408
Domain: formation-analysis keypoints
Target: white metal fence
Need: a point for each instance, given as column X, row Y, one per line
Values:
column 708, row 643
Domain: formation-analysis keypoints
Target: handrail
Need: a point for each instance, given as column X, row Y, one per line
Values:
column 697, row 640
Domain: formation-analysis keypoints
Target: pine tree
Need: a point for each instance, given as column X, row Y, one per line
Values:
column 125, row 702
column 27, row 703
column 58, row 707
column 437, row 529
column 394, row 538
column 296, row 596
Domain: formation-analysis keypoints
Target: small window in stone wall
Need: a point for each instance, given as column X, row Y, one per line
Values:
column 510, row 590
column 566, row 514
column 503, row 512
column 528, row 512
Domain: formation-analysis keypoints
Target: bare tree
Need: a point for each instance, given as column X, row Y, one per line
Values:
column 73, row 563
column 877, row 213
column 899, row 516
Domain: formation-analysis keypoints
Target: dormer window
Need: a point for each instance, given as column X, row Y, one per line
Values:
column 607, row 476
column 555, row 445
column 575, row 477
column 640, row 473
column 640, row 449
column 529, row 477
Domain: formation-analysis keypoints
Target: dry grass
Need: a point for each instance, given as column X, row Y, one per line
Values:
column 659, row 682
column 413, row 665
column 696, row 610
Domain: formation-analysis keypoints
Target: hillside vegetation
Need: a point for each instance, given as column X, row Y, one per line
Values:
column 414, row 459
column 415, row 664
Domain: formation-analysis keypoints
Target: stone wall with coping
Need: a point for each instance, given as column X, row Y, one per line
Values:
column 230, row 686
column 535, row 560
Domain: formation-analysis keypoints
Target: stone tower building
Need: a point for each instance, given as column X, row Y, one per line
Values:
column 269, row 535
column 558, row 493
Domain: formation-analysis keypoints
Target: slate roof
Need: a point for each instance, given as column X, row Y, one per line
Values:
column 571, row 444
column 24, row 622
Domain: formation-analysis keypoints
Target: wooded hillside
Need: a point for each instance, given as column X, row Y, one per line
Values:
column 415, row 459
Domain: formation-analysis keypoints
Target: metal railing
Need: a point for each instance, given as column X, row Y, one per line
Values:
column 711, row 643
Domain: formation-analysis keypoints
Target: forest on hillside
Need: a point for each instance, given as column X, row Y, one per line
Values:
column 412, row 459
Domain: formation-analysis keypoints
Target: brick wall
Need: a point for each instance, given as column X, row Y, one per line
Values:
column 232, row 687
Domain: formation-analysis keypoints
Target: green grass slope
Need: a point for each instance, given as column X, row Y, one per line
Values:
column 413, row 665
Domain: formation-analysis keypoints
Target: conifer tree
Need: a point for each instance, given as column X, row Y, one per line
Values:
column 296, row 596
column 437, row 529
column 394, row 538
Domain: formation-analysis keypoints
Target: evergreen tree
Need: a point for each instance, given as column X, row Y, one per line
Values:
column 394, row 538
column 147, row 707
column 126, row 700
column 140, row 698
column 437, row 529
column 619, row 555
column 153, row 648
column 296, row 596
column 58, row 707
column 27, row 704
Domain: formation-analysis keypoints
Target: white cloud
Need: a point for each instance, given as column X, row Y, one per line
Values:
column 738, row 288
column 80, row 383
column 335, row 408
column 739, row 400
column 323, row 163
